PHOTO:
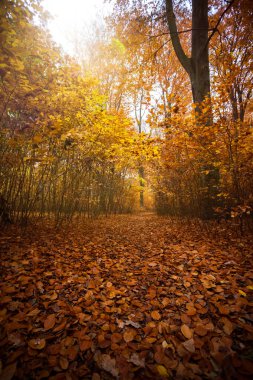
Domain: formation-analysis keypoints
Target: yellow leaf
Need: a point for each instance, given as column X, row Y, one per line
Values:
column 162, row 371
column 242, row 293
column 37, row 139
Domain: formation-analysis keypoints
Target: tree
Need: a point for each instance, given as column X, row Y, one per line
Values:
column 197, row 66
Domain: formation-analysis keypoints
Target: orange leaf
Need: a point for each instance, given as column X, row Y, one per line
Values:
column 200, row 330
column 228, row 326
column 186, row 331
column 156, row 315
column 64, row 363
column 85, row 345
column 191, row 311
column 37, row 343
column 129, row 335
column 166, row 301
column 116, row 337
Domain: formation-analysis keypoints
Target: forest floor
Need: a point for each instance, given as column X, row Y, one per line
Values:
column 127, row 297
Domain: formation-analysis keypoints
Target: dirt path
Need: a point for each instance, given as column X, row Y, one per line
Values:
column 129, row 297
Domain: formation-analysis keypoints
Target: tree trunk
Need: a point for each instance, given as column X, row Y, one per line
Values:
column 141, row 176
column 200, row 74
column 197, row 67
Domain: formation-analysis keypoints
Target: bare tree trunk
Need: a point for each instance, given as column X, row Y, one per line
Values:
column 196, row 66
column 200, row 74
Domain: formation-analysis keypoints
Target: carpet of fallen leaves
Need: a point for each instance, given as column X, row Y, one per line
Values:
column 127, row 297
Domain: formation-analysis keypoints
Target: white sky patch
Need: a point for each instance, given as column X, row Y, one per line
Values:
column 71, row 16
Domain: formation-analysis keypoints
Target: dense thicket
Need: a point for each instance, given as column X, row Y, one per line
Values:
column 63, row 150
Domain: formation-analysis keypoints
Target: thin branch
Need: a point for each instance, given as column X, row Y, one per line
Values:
column 215, row 29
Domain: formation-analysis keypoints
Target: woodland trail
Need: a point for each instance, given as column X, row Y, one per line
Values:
column 127, row 297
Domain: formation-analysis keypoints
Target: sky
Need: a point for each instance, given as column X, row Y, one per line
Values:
column 71, row 16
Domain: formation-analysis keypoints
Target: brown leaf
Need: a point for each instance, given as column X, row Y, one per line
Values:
column 228, row 326
column 8, row 372
column 200, row 330
column 37, row 343
column 189, row 345
column 85, row 345
column 61, row 326
column 95, row 376
column 223, row 309
column 136, row 360
column 33, row 313
column 64, row 363
column 116, row 338
column 49, row 322
column 107, row 363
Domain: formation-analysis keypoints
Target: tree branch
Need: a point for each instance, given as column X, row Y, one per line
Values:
column 215, row 29
column 184, row 60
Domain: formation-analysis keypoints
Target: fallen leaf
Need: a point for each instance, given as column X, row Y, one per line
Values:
column 186, row 331
column 129, row 335
column 136, row 360
column 155, row 315
column 37, row 343
column 33, row 313
column 189, row 345
column 152, row 264
column 200, row 330
column 162, row 370
column 132, row 323
column 8, row 372
column 49, row 322
column 107, row 363
column 116, row 338
column 64, row 363
column 85, row 345
column 228, row 326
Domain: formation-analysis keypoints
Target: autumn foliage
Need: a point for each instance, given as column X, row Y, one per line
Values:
column 86, row 293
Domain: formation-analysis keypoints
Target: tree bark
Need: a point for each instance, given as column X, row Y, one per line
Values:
column 200, row 74
column 196, row 66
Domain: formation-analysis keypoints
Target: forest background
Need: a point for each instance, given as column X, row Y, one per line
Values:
column 115, row 129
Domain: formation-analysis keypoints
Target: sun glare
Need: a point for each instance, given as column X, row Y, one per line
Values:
column 69, row 17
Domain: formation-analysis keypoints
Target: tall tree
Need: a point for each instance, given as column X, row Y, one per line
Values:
column 197, row 66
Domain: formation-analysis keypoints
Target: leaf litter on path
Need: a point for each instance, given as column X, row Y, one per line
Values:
column 127, row 297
